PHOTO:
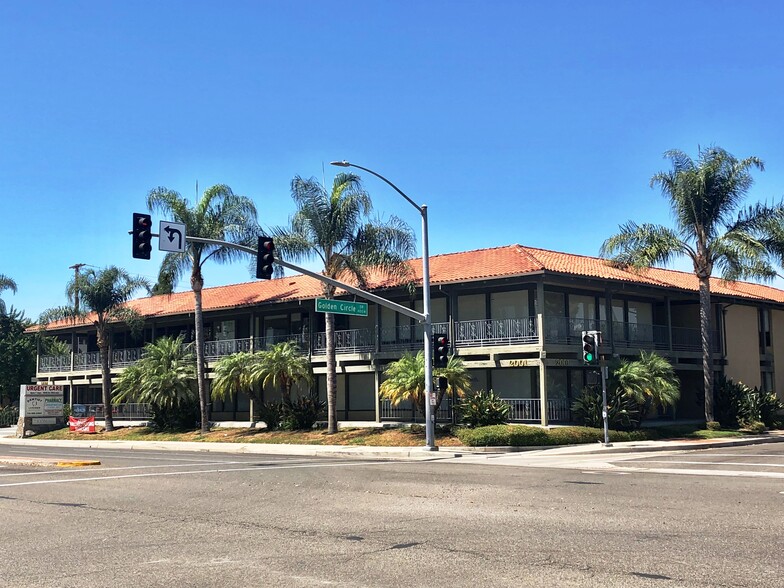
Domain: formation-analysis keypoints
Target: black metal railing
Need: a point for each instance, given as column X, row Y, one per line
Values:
column 471, row 333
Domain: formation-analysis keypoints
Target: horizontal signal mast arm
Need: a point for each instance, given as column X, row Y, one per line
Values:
column 367, row 295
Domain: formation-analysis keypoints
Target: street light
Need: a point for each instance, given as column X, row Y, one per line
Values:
column 430, row 443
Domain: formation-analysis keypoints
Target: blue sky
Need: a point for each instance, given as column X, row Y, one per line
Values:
column 537, row 123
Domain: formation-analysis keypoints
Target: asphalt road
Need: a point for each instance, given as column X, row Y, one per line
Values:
column 190, row 519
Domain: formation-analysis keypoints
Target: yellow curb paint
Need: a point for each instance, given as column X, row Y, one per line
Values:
column 76, row 464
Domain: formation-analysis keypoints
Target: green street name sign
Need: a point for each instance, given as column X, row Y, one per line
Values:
column 341, row 307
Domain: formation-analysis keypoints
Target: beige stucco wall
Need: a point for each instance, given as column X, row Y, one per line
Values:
column 742, row 332
column 777, row 341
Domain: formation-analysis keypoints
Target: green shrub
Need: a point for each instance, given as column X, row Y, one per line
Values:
column 183, row 416
column 271, row 413
column 492, row 436
column 713, row 426
column 481, row 409
column 301, row 414
column 526, row 436
column 770, row 410
column 9, row 415
column 622, row 411
column 755, row 427
column 738, row 405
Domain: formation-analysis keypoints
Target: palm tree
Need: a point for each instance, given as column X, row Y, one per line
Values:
column 220, row 215
column 405, row 380
column 6, row 283
column 284, row 365
column 165, row 376
column 236, row 373
column 704, row 197
column 102, row 295
column 281, row 365
column 333, row 226
column 650, row 380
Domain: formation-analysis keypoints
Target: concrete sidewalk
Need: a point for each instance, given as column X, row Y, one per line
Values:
column 365, row 452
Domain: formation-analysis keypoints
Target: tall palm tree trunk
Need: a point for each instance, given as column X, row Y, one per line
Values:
column 106, row 380
column 197, row 283
column 707, row 351
column 332, row 378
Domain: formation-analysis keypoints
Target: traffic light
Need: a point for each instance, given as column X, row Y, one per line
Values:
column 590, row 350
column 265, row 257
column 440, row 351
column 142, row 235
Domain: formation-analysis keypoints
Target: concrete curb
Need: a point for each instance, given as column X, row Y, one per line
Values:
column 390, row 453
column 343, row 451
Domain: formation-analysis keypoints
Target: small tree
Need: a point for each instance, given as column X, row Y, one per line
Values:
column 102, row 295
column 6, row 283
column 633, row 389
column 651, row 381
column 164, row 377
column 284, row 365
column 17, row 354
column 406, row 380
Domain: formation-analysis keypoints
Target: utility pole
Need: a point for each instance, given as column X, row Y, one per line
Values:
column 75, row 267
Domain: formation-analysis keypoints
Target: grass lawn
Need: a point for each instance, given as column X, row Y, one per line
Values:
column 397, row 437
column 375, row 437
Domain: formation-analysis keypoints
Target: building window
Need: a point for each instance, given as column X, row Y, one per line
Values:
column 224, row 331
column 508, row 305
column 764, row 328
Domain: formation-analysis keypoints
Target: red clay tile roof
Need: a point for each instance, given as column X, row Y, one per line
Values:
column 465, row 266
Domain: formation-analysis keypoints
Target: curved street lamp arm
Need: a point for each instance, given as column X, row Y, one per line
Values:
column 345, row 163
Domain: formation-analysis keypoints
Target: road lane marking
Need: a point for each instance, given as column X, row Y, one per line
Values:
column 120, row 454
column 722, row 473
column 174, row 465
column 722, row 463
column 210, row 471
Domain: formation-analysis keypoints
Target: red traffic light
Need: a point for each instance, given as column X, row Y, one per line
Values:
column 265, row 258
column 142, row 235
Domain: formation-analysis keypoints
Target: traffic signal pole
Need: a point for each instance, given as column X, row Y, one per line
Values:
column 603, row 368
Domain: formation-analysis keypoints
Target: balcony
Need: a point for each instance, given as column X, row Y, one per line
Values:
column 482, row 333
column 301, row 339
column 350, row 341
column 401, row 338
column 407, row 337
column 216, row 349
column 568, row 331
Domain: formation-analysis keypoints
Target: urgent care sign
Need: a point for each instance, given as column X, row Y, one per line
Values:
column 40, row 401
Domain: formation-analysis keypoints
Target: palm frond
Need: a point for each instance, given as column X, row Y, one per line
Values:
column 641, row 246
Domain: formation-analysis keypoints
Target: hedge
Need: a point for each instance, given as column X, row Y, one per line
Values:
column 526, row 436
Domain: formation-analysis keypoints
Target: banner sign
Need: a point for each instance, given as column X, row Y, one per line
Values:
column 82, row 425
column 40, row 401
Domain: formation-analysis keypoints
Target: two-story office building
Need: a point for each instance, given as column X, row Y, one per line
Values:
column 514, row 315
